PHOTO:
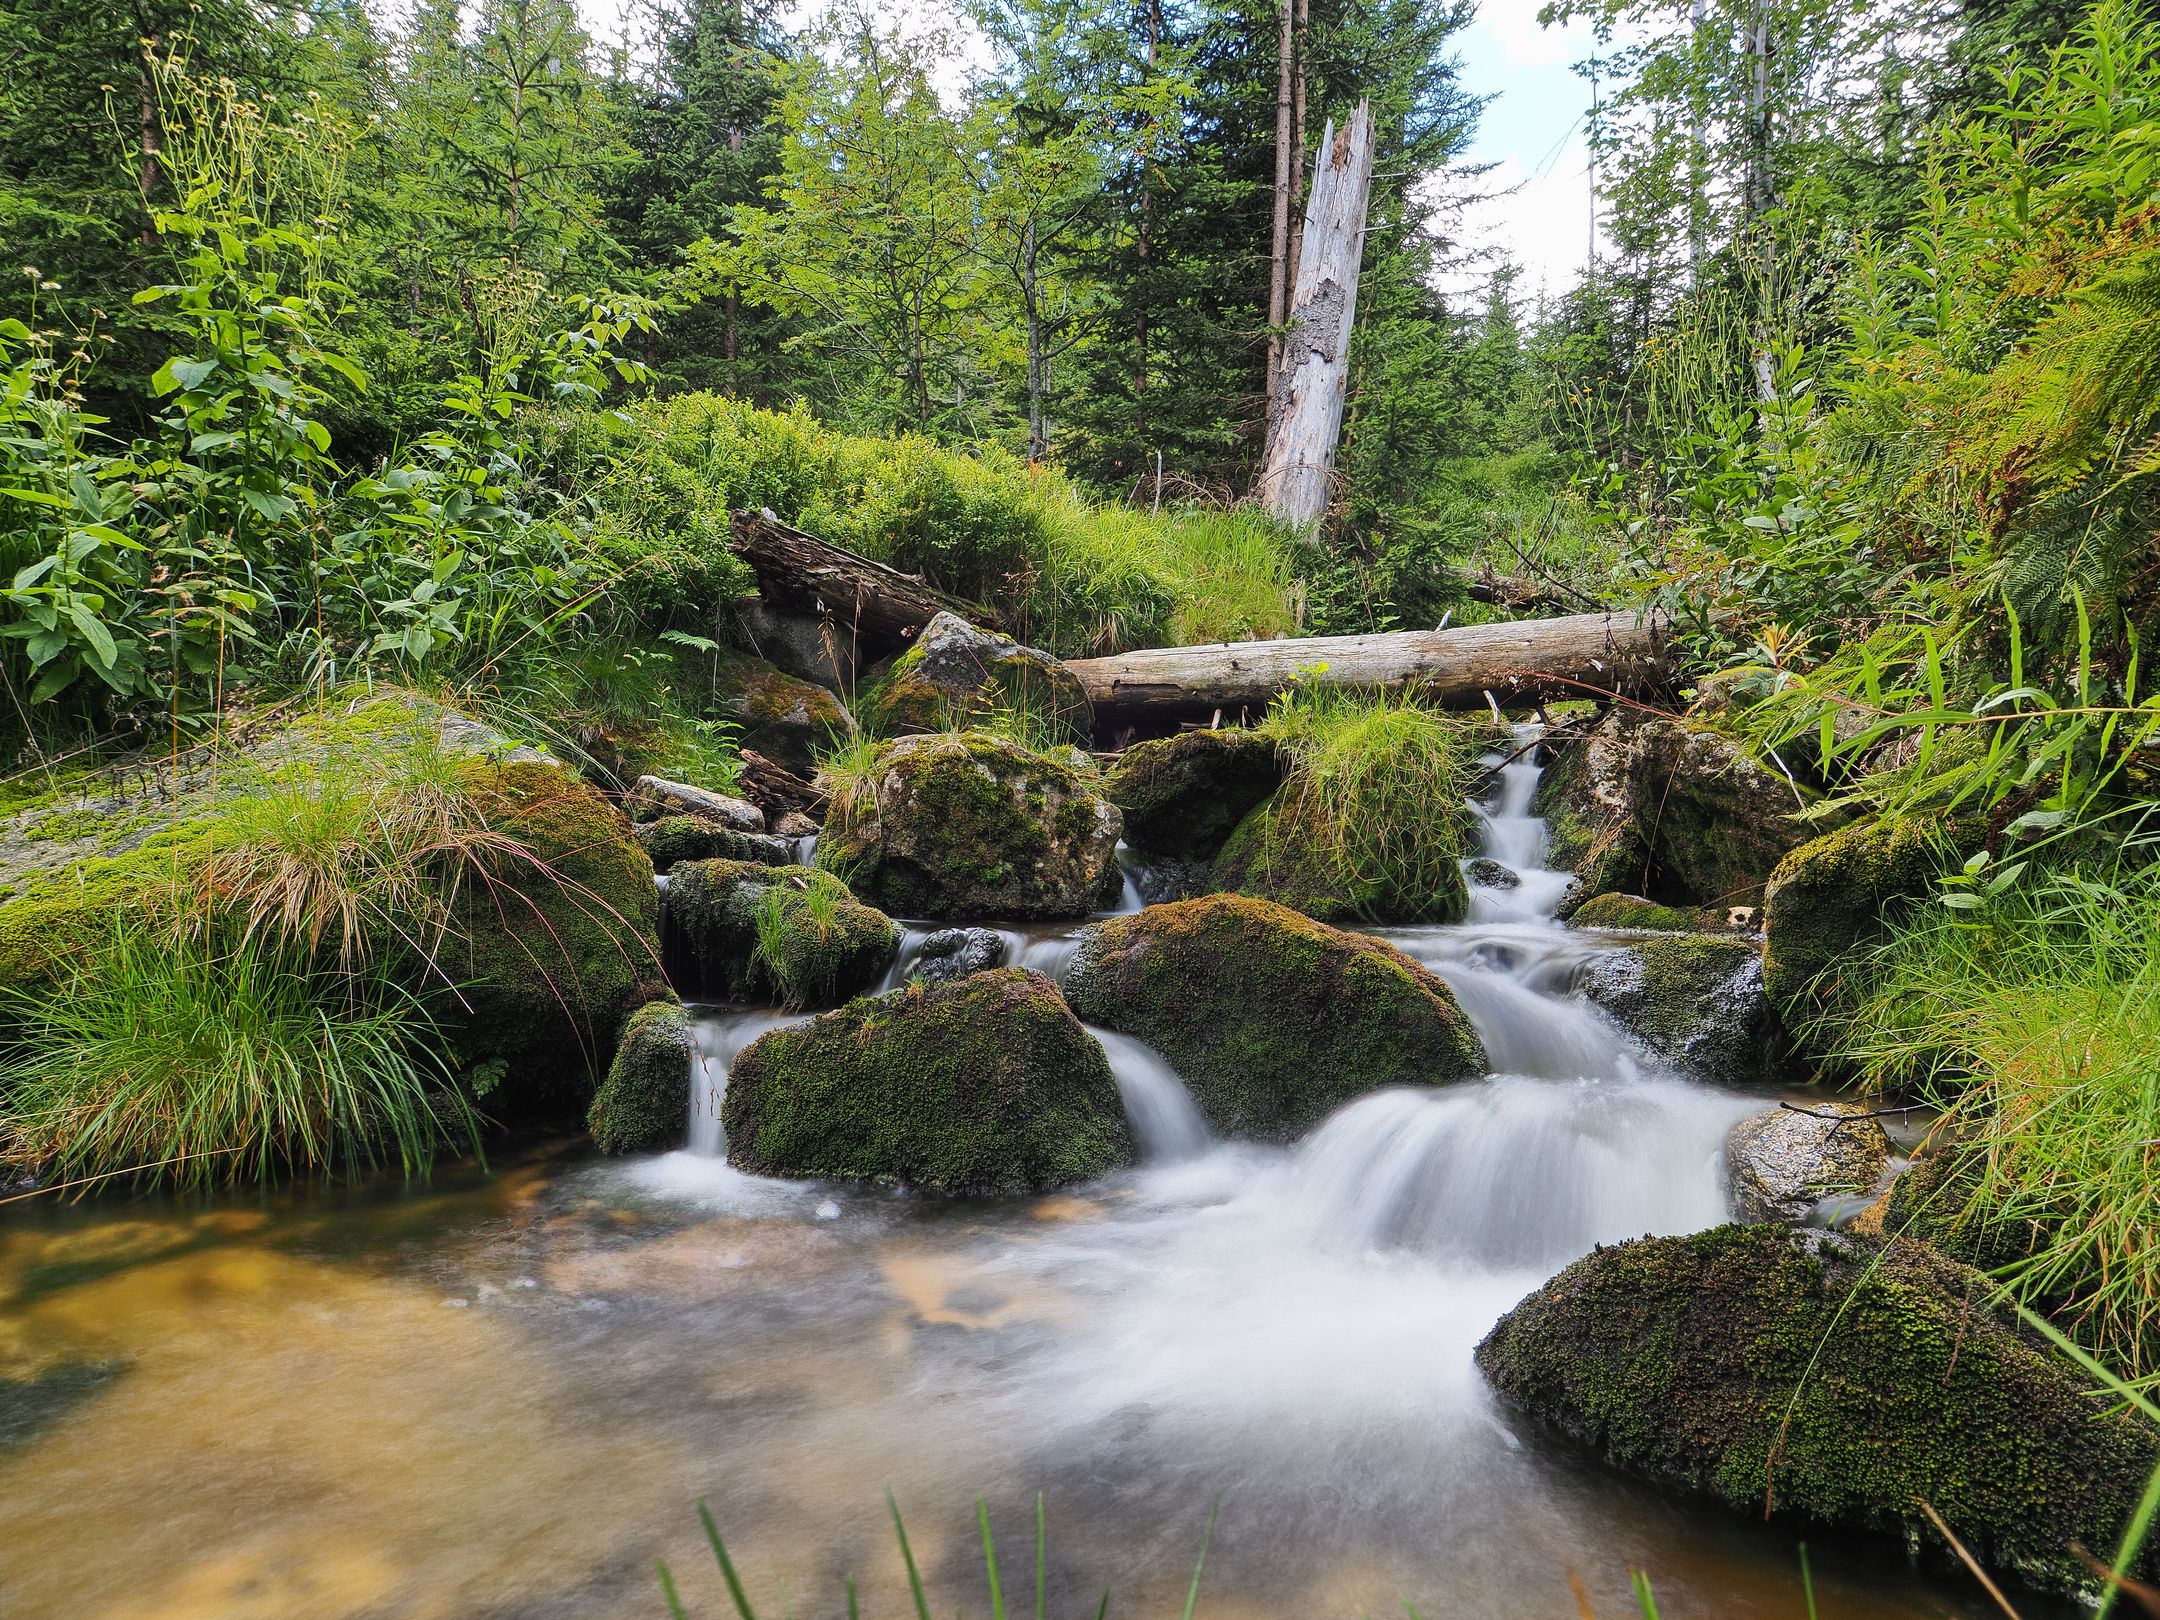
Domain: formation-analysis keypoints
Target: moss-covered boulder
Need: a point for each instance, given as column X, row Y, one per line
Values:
column 1589, row 812
column 1784, row 1162
column 986, row 1084
column 1183, row 796
column 969, row 825
column 736, row 928
column 1832, row 1382
column 778, row 715
column 1717, row 821
column 671, row 840
column 1293, row 851
column 1695, row 999
column 1272, row 1019
column 1833, row 897
column 956, row 674
column 1629, row 911
column 642, row 1105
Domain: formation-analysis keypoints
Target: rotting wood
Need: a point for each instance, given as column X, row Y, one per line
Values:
column 876, row 603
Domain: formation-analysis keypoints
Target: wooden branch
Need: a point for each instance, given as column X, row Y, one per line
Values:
column 1582, row 655
column 875, row 603
column 1521, row 594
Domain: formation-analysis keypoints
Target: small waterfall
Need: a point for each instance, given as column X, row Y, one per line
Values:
column 1516, row 839
column 720, row 1036
column 1130, row 899
column 804, row 849
column 1165, row 1120
column 905, row 955
column 1049, row 953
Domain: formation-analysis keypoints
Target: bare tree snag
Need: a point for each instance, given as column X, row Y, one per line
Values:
column 1308, row 386
column 1582, row 655
column 874, row 604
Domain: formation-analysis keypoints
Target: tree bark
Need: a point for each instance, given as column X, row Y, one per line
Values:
column 1582, row 655
column 877, row 605
column 1279, row 233
column 1309, row 385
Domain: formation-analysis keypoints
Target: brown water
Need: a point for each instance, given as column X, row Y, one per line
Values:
column 501, row 1396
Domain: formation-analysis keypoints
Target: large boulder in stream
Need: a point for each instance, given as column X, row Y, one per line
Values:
column 986, row 1084
column 1183, row 796
column 1697, row 1000
column 1830, row 1381
column 957, row 674
column 1273, row 1020
column 970, row 826
column 642, row 1105
column 740, row 929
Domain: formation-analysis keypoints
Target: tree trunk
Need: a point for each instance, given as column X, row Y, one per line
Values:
column 1296, row 477
column 879, row 607
column 1038, row 361
column 1297, row 147
column 1279, row 233
column 1583, row 655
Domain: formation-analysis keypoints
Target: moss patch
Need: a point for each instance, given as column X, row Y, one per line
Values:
column 1289, row 851
column 1272, row 1019
column 956, row 675
column 1633, row 911
column 983, row 1085
column 1840, row 1386
column 742, row 929
column 671, row 840
column 783, row 718
column 642, row 1104
column 1183, row 796
column 1697, row 999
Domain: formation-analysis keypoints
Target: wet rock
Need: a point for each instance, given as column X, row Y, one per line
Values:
column 643, row 1104
column 1160, row 879
column 795, row 824
column 778, row 714
column 956, row 674
column 1717, row 820
column 1632, row 911
column 1488, row 873
column 1696, row 999
column 674, row 839
column 986, row 1084
column 1272, row 1020
column 1784, row 1163
column 1183, row 796
column 973, row 826
column 954, row 953
column 681, row 798
column 743, row 930
column 1588, row 809
column 1835, row 1381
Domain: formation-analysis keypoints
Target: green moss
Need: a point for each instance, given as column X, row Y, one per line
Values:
column 957, row 675
column 1842, row 1386
column 671, row 840
column 1272, row 1019
column 749, row 930
column 58, row 916
column 1633, row 911
column 982, row 1085
column 1697, row 999
column 1183, row 796
column 971, row 826
column 1290, row 851
column 642, row 1104
column 783, row 718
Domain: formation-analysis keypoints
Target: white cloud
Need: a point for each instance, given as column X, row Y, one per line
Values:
column 1512, row 27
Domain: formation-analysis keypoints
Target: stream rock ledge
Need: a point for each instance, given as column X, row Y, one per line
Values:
column 1785, row 1162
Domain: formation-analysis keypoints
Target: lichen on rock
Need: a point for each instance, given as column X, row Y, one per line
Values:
column 986, row 1084
column 1827, row 1380
column 1272, row 1019
column 643, row 1103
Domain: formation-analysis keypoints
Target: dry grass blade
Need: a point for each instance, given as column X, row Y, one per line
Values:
column 1966, row 1558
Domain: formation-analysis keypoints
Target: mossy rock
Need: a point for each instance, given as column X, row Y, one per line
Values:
column 825, row 945
column 1717, row 822
column 671, row 840
column 1273, row 1020
column 776, row 714
column 1633, row 911
column 1589, row 813
column 1834, row 896
column 986, row 1084
column 1288, row 851
column 957, row 674
column 1695, row 999
column 969, row 826
column 643, row 1103
column 1183, row 796
column 1832, row 1382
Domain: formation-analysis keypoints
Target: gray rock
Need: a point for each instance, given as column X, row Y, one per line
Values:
column 815, row 650
column 670, row 840
column 777, row 714
column 660, row 793
column 1488, row 873
column 1784, row 1163
column 957, row 672
column 954, row 953
column 1695, row 999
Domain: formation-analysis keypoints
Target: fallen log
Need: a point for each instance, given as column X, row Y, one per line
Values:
column 867, row 600
column 1527, row 661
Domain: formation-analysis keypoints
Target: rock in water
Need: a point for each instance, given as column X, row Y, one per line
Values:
column 954, row 953
column 1836, row 1381
column 987, row 1084
column 1589, row 812
column 1273, row 1020
column 674, row 839
column 777, row 714
column 1696, row 999
column 1632, row 911
column 747, row 929
column 642, row 1104
column 970, row 825
column 1287, row 851
column 1784, row 1163
column 955, row 674
column 1183, row 796
column 1488, row 873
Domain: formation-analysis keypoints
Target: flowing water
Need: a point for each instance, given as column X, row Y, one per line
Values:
column 500, row 1394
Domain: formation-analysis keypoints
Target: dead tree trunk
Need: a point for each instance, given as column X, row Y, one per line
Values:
column 1582, row 655
column 1310, row 383
column 878, row 606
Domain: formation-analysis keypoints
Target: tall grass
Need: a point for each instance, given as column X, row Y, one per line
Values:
column 2034, row 1022
column 197, row 1063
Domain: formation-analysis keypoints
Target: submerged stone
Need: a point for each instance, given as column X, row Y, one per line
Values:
column 1272, row 1020
column 643, row 1103
column 1829, row 1381
column 1488, row 873
column 1183, row 796
column 954, row 953
column 987, row 1084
